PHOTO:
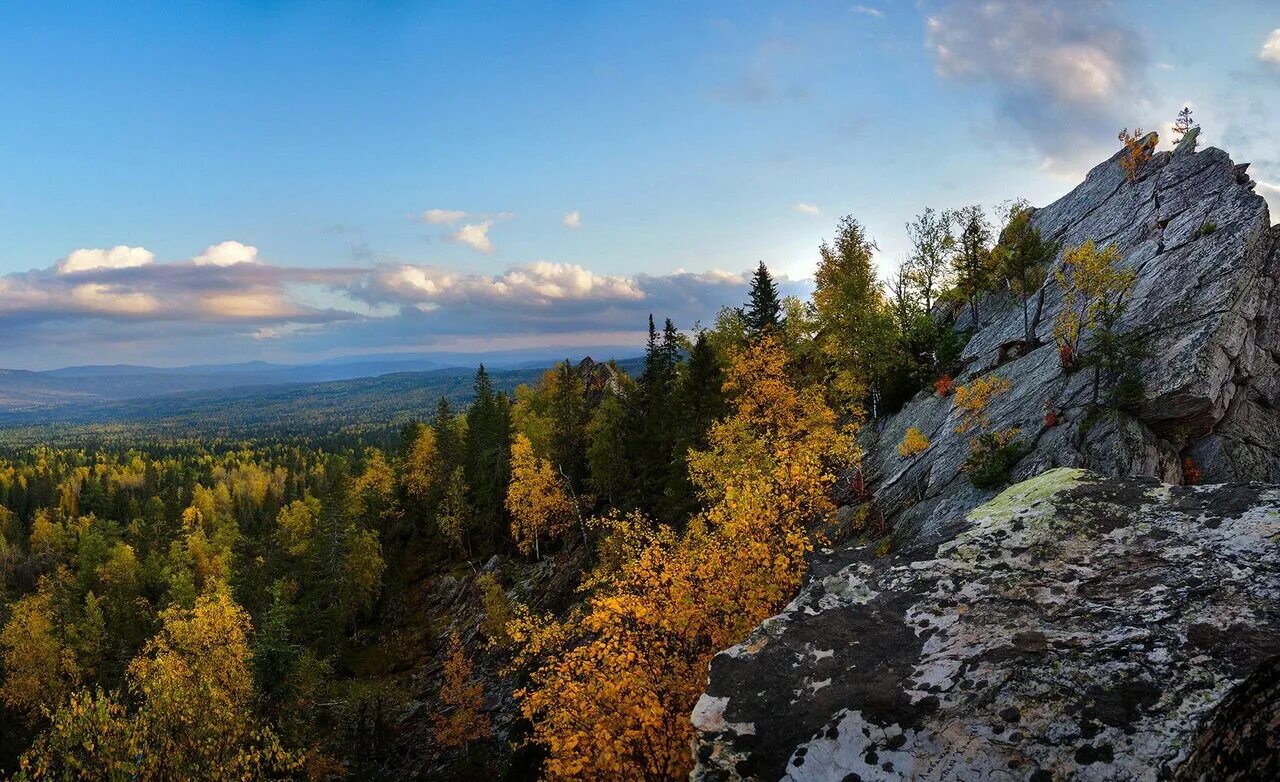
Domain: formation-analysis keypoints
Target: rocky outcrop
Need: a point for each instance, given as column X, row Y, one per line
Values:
column 1206, row 304
column 1075, row 627
column 1099, row 620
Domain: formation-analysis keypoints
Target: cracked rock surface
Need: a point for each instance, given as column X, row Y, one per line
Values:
column 1206, row 303
column 1074, row 627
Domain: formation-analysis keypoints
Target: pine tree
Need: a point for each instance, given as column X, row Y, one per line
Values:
column 765, row 309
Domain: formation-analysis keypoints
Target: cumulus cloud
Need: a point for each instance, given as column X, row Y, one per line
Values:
column 227, row 254
column 535, row 284
column 807, row 209
column 867, row 10
column 474, row 235
column 1067, row 76
column 442, row 216
column 118, row 257
column 1271, row 49
column 572, row 219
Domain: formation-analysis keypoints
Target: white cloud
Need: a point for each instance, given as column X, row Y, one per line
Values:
column 475, row 235
column 1271, row 49
column 867, row 10
column 808, row 209
column 572, row 219
column 442, row 216
column 248, row 305
column 227, row 254
column 103, row 299
column 535, row 283
column 118, row 257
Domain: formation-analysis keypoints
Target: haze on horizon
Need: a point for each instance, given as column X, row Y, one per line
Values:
column 292, row 182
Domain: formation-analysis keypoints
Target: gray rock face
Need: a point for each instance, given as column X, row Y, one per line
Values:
column 1206, row 304
column 1075, row 627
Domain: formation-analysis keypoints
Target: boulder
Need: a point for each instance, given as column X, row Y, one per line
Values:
column 1074, row 627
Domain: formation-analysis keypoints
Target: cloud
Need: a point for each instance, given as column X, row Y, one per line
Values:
column 1271, row 49
column 169, row 311
column 536, row 284
column 227, row 254
column 474, row 235
column 1067, row 77
column 442, row 216
column 807, row 209
column 118, row 257
column 572, row 219
column 867, row 10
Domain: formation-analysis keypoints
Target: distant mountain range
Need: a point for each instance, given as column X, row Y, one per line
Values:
column 253, row 396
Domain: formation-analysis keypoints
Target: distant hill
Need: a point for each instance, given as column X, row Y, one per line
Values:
column 72, row 391
column 382, row 402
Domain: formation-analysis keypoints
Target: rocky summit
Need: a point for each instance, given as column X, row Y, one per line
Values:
column 1205, row 306
column 1100, row 620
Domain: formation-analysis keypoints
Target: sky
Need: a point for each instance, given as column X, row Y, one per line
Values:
column 293, row 181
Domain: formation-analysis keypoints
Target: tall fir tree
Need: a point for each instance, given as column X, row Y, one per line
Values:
column 488, row 456
column 700, row 401
column 764, row 311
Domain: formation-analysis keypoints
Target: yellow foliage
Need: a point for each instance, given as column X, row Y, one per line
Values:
column 498, row 611
column 536, row 499
column 462, row 698
column 972, row 401
column 612, row 685
column 913, row 442
column 40, row 669
column 422, row 469
column 1090, row 280
column 295, row 525
column 194, row 718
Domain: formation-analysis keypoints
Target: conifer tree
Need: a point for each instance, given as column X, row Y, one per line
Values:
column 488, row 461
column 764, row 310
column 856, row 330
column 972, row 259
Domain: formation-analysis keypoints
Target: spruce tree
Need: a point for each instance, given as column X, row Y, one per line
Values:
column 699, row 402
column 764, row 311
column 488, row 454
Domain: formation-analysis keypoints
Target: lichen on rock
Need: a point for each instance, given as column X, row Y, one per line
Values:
column 1078, row 626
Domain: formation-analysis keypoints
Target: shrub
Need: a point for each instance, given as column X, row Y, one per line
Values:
column 1209, row 227
column 1051, row 414
column 972, row 401
column 1137, row 151
column 943, row 385
column 992, row 456
column 913, row 443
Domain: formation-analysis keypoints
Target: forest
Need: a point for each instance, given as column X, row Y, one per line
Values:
column 526, row 585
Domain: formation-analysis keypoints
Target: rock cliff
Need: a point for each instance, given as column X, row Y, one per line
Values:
column 1206, row 302
column 1098, row 620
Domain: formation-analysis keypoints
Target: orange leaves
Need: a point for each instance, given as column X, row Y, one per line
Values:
column 611, row 686
column 1137, row 150
column 972, row 401
column 913, row 442
column 462, row 699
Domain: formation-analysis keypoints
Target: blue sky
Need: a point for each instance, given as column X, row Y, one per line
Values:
column 226, row 181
